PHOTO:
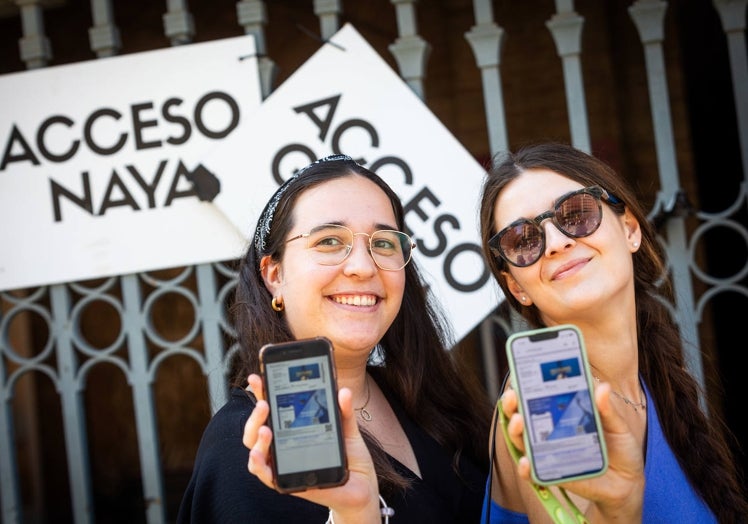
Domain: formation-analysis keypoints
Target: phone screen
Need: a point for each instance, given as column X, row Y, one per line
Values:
column 562, row 427
column 302, row 393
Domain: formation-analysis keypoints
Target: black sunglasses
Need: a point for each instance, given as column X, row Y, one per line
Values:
column 576, row 215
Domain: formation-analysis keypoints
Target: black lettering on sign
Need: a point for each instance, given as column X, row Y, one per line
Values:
column 174, row 193
column 85, row 202
column 200, row 121
column 202, row 184
column 283, row 152
column 352, row 124
column 461, row 269
column 396, row 161
column 150, row 189
column 138, row 124
column 16, row 138
column 323, row 123
column 115, row 182
column 441, row 237
column 181, row 121
column 415, row 206
column 449, row 268
column 40, row 140
column 147, row 130
column 88, row 133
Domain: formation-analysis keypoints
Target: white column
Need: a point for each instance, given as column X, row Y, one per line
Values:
column 732, row 14
column 648, row 15
column 34, row 46
column 104, row 36
column 252, row 17
column 410, row 50
column 486, row 38
column 178, row 23
column 566, row 28
column 328, row 12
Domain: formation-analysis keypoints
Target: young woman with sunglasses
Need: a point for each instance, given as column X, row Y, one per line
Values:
column 568, row 242
column 329, row 258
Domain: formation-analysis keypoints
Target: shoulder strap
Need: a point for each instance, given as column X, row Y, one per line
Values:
column 492, row 452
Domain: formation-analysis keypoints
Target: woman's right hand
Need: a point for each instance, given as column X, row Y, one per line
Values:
column 356, row 501
column 618, row 494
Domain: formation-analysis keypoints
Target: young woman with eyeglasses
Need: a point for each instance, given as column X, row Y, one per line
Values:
column 568, row 243
column 329, row 257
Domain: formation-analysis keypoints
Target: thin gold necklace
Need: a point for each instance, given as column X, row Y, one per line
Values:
column 365, row 415
column 635, row 405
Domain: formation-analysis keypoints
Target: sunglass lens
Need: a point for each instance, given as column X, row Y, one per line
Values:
column 522, row 243
column 579, row 215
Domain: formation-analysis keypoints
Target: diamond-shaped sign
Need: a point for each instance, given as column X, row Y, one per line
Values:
column 345, row 98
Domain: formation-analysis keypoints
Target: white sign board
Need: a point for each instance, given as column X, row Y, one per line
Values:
column 102, row 169
column 346, row 99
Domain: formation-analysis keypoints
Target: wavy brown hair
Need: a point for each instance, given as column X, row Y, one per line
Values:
column 699, row 443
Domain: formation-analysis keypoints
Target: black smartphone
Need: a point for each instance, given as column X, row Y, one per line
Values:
column 550, row 374
column 300, row 386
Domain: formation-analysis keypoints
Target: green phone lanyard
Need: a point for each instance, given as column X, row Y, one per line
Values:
column 557, row 511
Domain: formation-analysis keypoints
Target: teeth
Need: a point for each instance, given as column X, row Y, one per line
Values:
column 357, row 300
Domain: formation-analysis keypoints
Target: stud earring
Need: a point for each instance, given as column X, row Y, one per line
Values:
column 523, row 299
column 636, row 244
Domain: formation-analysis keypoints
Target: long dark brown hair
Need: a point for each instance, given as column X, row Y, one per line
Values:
column 699, row 443
column 433, row 386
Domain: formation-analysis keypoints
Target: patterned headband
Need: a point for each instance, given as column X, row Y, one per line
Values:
column 265, row 222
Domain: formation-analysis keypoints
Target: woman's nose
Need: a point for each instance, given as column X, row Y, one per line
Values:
column 555, row 239
column 360, row 261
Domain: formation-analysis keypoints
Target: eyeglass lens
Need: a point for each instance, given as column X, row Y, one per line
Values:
column 330, row 244
column 578, row 215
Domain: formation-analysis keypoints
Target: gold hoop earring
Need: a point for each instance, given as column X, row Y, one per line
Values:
column 276, row 305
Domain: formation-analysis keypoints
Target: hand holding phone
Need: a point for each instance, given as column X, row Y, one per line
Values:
column 563, row 435
column 344, row 499
column 300, row 387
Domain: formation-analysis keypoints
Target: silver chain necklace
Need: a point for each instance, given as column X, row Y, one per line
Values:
column 365, row 415
column 636, row 406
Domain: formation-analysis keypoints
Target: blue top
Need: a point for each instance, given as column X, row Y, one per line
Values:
column 668, row 495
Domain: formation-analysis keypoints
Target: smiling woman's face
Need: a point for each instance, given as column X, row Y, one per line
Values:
column 355, row 302
column 573, row 274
